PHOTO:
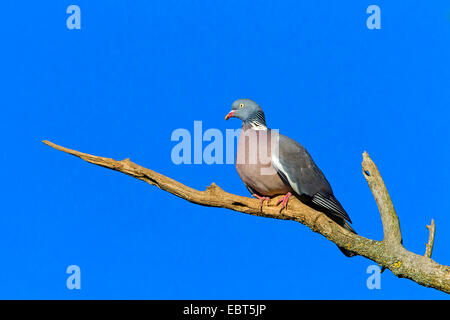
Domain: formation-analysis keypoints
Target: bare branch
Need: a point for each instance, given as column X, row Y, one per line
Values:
column 391, row 224
column 388, row 253
column 432, row 229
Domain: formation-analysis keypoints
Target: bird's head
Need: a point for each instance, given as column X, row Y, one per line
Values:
column 248, row 111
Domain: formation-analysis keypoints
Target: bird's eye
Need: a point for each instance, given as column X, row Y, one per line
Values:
column 241, row 105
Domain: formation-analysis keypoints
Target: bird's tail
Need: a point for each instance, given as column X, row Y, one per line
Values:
column 339, row 219
column 347, row 226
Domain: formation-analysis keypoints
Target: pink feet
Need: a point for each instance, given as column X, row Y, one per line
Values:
column 284, row 200
column 261, row 200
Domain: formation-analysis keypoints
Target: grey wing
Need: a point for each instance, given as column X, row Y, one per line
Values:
column 297, row 168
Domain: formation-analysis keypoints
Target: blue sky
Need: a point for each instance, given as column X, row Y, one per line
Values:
column 138, row 70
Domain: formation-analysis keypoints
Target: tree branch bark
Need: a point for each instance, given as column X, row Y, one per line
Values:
column 432, row 229
column 389, row 253
column 389, row 218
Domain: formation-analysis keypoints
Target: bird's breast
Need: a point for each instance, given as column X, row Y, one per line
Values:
column 254, row 163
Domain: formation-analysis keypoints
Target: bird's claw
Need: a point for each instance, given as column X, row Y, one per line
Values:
column 284, row 201
column 261, row 200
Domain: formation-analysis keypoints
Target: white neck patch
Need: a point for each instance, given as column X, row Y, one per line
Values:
column 257, row 126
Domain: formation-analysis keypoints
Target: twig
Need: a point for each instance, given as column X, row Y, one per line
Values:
column 432, row 229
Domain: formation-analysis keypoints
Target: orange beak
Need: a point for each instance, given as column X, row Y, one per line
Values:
column 229, row 115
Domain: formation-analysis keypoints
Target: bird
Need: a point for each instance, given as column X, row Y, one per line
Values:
column 271, row 164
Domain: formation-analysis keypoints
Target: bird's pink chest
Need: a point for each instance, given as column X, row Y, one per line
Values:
column 254, row 165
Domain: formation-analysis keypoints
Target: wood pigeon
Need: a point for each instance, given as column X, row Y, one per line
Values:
column 271, row 164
